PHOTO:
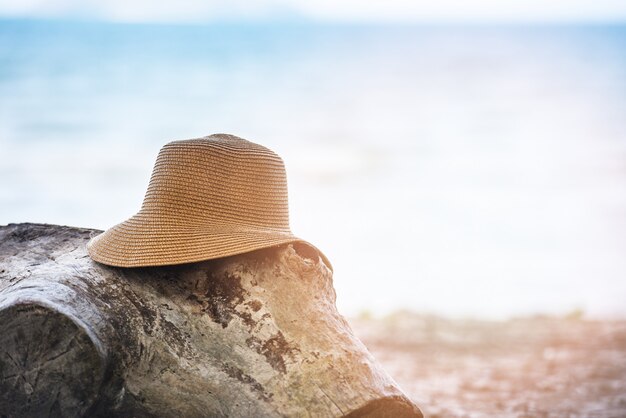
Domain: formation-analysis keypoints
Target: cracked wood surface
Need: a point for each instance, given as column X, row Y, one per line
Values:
column 250, row 335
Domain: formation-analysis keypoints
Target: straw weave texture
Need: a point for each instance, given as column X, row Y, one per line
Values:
column 208, row 198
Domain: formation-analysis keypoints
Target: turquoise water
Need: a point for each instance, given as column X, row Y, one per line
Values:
column 458, row 170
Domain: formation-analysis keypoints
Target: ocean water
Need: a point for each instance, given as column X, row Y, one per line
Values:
column 457, row 170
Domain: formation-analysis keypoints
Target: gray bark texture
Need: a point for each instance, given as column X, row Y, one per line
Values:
column 254, row 335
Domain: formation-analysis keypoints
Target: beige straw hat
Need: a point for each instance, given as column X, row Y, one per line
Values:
column 208, row 198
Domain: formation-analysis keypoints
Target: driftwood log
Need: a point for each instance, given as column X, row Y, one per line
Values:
column 255, row 335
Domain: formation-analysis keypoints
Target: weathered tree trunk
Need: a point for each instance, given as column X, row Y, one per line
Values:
column 256, row 335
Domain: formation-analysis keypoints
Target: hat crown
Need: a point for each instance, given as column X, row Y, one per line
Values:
column 220, row 180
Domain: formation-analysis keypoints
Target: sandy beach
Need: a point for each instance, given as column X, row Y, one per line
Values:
column 525, row 367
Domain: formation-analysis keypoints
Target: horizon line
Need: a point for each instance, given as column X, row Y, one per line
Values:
column 321, row 21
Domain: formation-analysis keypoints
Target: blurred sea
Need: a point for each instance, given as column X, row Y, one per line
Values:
column 457, row 170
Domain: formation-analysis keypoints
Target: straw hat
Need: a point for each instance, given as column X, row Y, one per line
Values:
column 208, row 198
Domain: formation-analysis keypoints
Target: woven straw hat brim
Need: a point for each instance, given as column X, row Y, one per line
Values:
column 131, row 245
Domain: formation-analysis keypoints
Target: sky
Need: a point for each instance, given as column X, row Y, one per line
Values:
column 322, row 10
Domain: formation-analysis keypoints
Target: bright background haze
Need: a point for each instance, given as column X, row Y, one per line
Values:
column 324, row 10
column 465, row 158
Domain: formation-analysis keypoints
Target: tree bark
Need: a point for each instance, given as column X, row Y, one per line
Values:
column 254, row 335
